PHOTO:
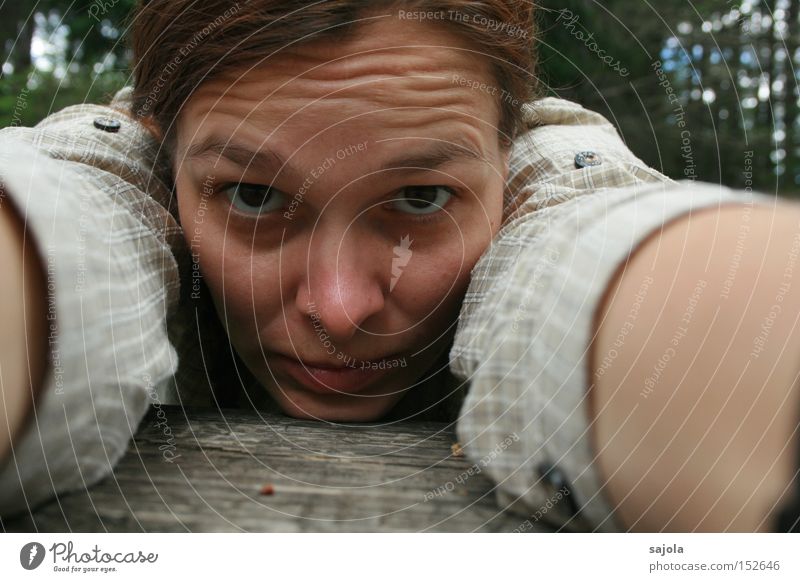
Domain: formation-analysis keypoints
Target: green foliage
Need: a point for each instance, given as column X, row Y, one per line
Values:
column 25, row 99
column 97, row 28
column 707, row 133
column 94, row 59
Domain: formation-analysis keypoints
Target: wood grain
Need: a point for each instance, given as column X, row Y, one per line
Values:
column 326, row 478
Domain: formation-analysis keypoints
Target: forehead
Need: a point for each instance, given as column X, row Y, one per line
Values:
column 394, row 77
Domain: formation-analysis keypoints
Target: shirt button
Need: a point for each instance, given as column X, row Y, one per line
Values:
column 107, row 124
column 587, row 160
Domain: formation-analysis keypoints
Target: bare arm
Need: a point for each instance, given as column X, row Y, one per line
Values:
column 23, row 335
column 696, row 415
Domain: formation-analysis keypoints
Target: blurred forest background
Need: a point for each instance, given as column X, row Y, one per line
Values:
column 700, row 89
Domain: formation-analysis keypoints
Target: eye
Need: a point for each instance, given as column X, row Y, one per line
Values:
column 421, row 199
column 254, row 198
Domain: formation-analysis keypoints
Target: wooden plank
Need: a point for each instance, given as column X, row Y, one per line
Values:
column 203, row 470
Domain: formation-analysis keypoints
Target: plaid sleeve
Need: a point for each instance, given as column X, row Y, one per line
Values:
column 78, row 180
column 578, row 203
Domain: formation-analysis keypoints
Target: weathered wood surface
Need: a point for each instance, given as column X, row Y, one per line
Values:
column 352, row 477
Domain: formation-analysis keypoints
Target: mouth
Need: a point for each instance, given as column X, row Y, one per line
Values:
column 347, row 376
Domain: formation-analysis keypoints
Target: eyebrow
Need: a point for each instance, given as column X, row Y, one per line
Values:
column 439, row 153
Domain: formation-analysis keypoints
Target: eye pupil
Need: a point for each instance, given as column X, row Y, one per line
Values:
column 418, row 203
column 253, row 194
column 422, row 197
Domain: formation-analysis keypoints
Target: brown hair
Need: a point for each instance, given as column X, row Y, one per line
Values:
column 180, row 44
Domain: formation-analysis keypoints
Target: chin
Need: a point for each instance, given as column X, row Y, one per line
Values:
column 336, row 408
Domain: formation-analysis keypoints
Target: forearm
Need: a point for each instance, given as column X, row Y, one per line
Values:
column 695, row 416
column 23, row 345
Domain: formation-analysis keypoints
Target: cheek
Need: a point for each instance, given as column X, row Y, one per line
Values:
column 437, row 277
column 439, row 272
column 237, row 281
column 242, row 284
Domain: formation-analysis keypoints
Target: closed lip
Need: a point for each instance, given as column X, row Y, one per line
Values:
column 329, row 378
column 337, row 365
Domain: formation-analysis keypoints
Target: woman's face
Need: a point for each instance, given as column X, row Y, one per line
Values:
column 336, row 199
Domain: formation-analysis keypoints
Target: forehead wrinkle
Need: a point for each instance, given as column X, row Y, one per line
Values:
column 415, row 126
column 387, row 63
column 360, row 71
column 260, row 127
column 418, row 102
column 271, row 82
column 374, row 60
column 419, row 82
column 303, row 98
column 381, row 75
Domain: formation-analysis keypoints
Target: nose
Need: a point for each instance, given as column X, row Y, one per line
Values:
column 342, row 285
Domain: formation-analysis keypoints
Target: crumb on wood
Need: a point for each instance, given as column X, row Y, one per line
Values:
column 267, row 489
column 457, row 450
